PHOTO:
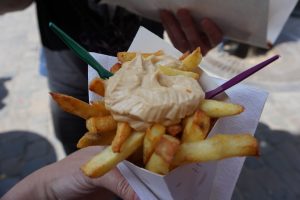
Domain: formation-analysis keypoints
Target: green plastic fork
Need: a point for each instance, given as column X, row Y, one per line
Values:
column 80, row 51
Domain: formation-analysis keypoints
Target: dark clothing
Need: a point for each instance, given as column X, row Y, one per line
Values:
column 67, row 74
column 296, row 11
column 90, row 24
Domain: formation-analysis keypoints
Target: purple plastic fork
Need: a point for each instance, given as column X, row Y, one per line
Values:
column 238, row 78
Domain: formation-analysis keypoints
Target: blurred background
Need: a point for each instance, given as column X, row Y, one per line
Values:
column 27, row 140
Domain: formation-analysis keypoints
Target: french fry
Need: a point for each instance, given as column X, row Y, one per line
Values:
column 125, row 56
column 92, row 139
column 128, row 56
column 167, row 147
column 123, row 132
column 101, row 124
column 151, row 139
column 77, row 107
column 192, row 60
column 183, row 56
column 99, row 109
column 157, row 164
column 197, row 70
column 174, row 129
column 169, row 71
column 107, row 159
column 162, row 157
column 203, row 121
column 216, row 148
column 196, row 127
column 217, row 109
column 191, row 131
column 115, row 68
column 97, row 85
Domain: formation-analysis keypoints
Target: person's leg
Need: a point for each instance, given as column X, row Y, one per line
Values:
column 67, row 74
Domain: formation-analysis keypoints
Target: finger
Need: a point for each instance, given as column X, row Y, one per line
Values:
column 212, row 31
column 206, row 43
column 189, row 27
column 84, row 186
column 115, row 182
column 165, row 18
column 67, row 180
column 174, row 31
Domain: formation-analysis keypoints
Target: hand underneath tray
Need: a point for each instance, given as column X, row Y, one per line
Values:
column 65, row 180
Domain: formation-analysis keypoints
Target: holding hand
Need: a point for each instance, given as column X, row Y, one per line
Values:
column 64, row 180
column 187, row 34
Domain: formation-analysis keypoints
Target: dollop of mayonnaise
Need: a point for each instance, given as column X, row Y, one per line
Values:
column 140, row 95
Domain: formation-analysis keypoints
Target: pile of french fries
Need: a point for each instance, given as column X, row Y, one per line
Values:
column 159, row 148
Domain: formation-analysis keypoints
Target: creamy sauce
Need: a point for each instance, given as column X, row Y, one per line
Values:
column 140, row 95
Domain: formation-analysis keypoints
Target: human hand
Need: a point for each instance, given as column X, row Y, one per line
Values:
column 186, row 34
column 64, row 180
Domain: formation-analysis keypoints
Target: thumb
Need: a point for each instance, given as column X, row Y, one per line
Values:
column 115, row 182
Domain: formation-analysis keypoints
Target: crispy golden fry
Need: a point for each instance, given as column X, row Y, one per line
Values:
column 125, row 56
column 151, row 139
column 196, row 127
column 101, row 124
column 192, row 60
column 162, row 157
column 216, row 148
column 156, row 53
column 157, row 164
column 169, row 71
column 77, row 107
column 128, row 56
column 217, row 109
column 97, row 85
column 167, row 147
column 107, row 159
column 115, row 68
column 99, row 109
column 174, row 129
column 203, row 121
column 191, row 131
column 92, row 139
column 183, row 56
column 123, row 132
column 197, row 70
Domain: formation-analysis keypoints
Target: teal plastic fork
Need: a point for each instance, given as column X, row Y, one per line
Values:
column 80, row 51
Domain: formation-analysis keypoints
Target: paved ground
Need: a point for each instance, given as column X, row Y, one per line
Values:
column 27, row 141
column 276, row 174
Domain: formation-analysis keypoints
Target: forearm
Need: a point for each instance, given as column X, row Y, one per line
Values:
column 13, row 5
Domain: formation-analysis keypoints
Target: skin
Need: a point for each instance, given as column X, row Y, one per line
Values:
column 187, row 34
column 64, row 180
column 13, row 5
